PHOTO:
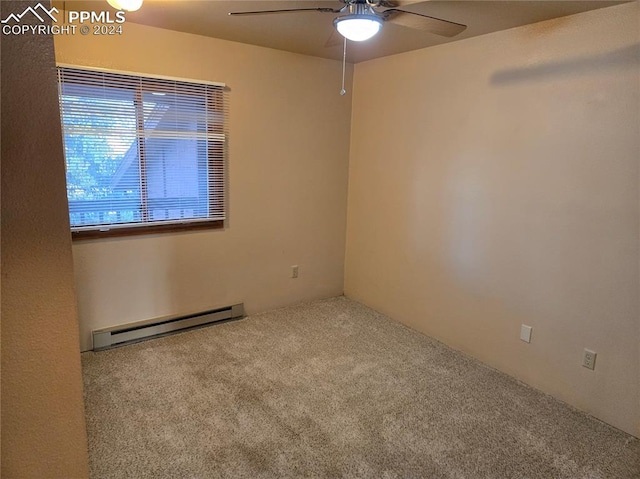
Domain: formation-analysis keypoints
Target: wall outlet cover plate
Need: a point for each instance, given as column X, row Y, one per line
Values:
column 525, row 333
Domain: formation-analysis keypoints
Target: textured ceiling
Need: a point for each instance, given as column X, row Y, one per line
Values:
column 310, row 32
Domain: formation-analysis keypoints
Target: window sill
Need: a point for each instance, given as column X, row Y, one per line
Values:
column 146, row 230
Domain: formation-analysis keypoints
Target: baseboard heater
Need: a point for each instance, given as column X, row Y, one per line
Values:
column 139, row 331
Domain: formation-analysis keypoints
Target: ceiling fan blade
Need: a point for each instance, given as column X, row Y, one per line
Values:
column 419, row 21
column 395, row 3
column 289, row 10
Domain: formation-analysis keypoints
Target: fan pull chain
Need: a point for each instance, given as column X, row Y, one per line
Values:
column 344, row 64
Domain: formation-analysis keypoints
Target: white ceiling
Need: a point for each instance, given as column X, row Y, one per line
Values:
column 309, row 32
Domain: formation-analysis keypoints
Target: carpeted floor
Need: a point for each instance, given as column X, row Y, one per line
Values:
column 330, row 389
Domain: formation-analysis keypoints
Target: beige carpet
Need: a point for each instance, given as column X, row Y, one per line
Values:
column 330, row 389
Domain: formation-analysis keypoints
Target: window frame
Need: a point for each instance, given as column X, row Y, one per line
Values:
column 214, row 163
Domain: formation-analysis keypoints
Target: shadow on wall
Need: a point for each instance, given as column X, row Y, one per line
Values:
column 621, row 58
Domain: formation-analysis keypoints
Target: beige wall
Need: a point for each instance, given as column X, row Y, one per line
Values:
column 43, row 429
column 288, row 166
column 503, row 189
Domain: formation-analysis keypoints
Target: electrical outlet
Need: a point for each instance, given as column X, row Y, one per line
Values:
column 525, row 333
column 589, row 359
column 294, row 271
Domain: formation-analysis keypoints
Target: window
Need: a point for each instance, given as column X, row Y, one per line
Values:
column 142, row 154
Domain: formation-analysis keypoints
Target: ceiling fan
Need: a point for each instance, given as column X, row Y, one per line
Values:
column 360, row 20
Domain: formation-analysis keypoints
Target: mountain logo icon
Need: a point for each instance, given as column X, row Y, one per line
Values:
column 44, row 12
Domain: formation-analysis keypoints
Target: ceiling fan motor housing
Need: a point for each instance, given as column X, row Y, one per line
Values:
column 359, row 22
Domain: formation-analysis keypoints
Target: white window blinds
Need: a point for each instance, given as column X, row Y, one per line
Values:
column 142, row 151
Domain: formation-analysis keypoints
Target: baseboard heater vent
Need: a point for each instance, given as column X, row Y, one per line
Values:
column 139, row 331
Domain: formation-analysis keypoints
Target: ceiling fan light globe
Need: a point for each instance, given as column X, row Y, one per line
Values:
column 128, row 5
column 358, row 28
